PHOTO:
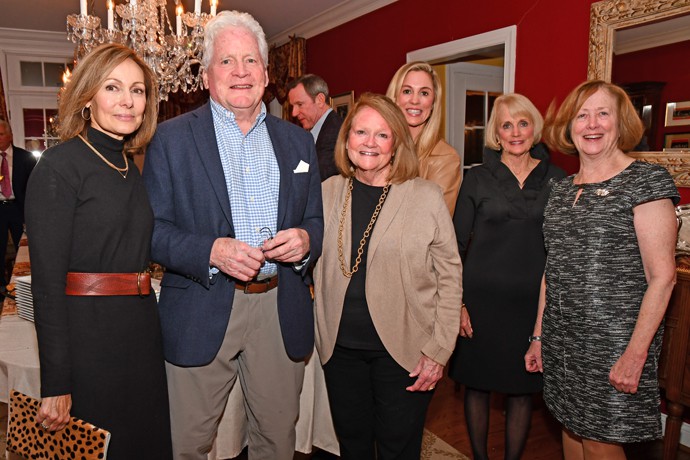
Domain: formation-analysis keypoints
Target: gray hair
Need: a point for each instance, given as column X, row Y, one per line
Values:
column 237, row 19
column 313, row 85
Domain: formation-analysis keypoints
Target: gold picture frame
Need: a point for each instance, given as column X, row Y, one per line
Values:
column 677, row 142
column 677, row 113
column 343, row 102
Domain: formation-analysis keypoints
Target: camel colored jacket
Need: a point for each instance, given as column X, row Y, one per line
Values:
column 414, row 273
column 442, row 167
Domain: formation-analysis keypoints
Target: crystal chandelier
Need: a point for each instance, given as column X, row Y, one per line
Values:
column 174, row 55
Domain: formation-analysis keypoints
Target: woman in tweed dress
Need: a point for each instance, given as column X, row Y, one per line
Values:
column 610, row 233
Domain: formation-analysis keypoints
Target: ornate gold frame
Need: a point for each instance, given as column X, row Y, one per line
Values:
column 606, row 17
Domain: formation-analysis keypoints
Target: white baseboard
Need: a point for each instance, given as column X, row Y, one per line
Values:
column 684, row 431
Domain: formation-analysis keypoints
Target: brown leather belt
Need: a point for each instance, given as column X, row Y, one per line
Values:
column 97, row 284
column 257, row 287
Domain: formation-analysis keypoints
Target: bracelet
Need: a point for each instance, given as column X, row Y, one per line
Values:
column 534, row 338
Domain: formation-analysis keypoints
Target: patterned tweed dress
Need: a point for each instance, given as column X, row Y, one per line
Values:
column 595, row 284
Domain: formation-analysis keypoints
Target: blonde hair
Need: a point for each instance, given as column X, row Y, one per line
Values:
column 431, row 132
column 405, row 165
column 517, row 105
column 558, row 122
column 87, row 79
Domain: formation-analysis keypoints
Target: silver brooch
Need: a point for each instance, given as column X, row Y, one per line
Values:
column 601, row 192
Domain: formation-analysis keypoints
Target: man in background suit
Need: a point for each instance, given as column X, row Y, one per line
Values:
column 308, row 96
column 236, row 198
column 17, row 164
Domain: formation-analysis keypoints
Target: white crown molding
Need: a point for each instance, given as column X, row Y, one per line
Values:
column 333, row 17
column 652, row 40
column 35, row 42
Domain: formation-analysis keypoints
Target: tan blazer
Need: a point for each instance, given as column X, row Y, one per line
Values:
column 442, row 166
column 414, row 273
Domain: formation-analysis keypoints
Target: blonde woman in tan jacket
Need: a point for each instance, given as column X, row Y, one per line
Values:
column 416, row 89
column 387, row 294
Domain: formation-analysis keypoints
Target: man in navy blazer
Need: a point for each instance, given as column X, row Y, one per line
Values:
column 22, row 162
column 238, row 221
column 308, row 96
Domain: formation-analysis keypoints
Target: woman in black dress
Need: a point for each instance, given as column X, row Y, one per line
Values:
column 87, row 212
column 498, row 221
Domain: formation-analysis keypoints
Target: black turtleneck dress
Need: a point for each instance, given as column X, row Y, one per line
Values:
column 499, row 232
column 83, row 216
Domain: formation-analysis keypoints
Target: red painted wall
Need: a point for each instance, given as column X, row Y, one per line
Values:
column 551, row 54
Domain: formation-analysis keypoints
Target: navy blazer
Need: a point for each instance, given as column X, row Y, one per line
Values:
column 23, row 163
column 186, row 186
column 325, row 145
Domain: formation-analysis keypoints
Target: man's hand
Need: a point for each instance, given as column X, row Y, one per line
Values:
column 236, row 258
column 291, row 245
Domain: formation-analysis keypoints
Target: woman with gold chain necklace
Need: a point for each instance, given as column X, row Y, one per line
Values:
column 89, row 226
column 387, row 293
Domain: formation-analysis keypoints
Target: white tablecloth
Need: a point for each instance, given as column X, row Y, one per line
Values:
column 19, row 370
column 18, row 357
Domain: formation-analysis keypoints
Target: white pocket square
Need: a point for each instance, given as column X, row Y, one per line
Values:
column 302, row 167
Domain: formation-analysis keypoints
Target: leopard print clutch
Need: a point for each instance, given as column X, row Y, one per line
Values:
column 78, row 440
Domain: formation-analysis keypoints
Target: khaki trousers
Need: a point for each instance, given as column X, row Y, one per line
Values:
column 252, row 350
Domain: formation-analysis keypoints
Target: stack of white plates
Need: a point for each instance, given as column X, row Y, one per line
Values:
column 23, row 297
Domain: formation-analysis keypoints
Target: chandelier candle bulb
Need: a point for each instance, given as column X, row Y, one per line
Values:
column 82, row 7
column 197, row 6
column 172, row 48
column 110, row 15
column 214, row 4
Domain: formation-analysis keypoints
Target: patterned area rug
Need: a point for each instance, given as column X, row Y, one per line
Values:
column 435, row 448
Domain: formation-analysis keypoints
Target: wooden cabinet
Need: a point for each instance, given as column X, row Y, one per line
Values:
column 674, row 366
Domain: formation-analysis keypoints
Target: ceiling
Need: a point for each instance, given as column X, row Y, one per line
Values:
column 279, row 18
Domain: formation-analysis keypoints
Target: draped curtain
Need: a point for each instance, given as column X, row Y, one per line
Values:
column 3, row 104
column 285, row 63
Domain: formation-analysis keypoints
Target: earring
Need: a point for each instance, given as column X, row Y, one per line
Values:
column 86, row 117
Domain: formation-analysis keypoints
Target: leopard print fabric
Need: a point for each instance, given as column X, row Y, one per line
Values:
column 78, row 440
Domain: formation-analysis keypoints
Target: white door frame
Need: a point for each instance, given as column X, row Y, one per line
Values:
column 506, row 36
column 460, row 78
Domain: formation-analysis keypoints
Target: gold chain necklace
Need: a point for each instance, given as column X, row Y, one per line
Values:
column 123, row 171
column 367, row 232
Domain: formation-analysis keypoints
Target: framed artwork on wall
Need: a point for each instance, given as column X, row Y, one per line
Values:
column 677, row 142
column 343, row 102
column 678, row 113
